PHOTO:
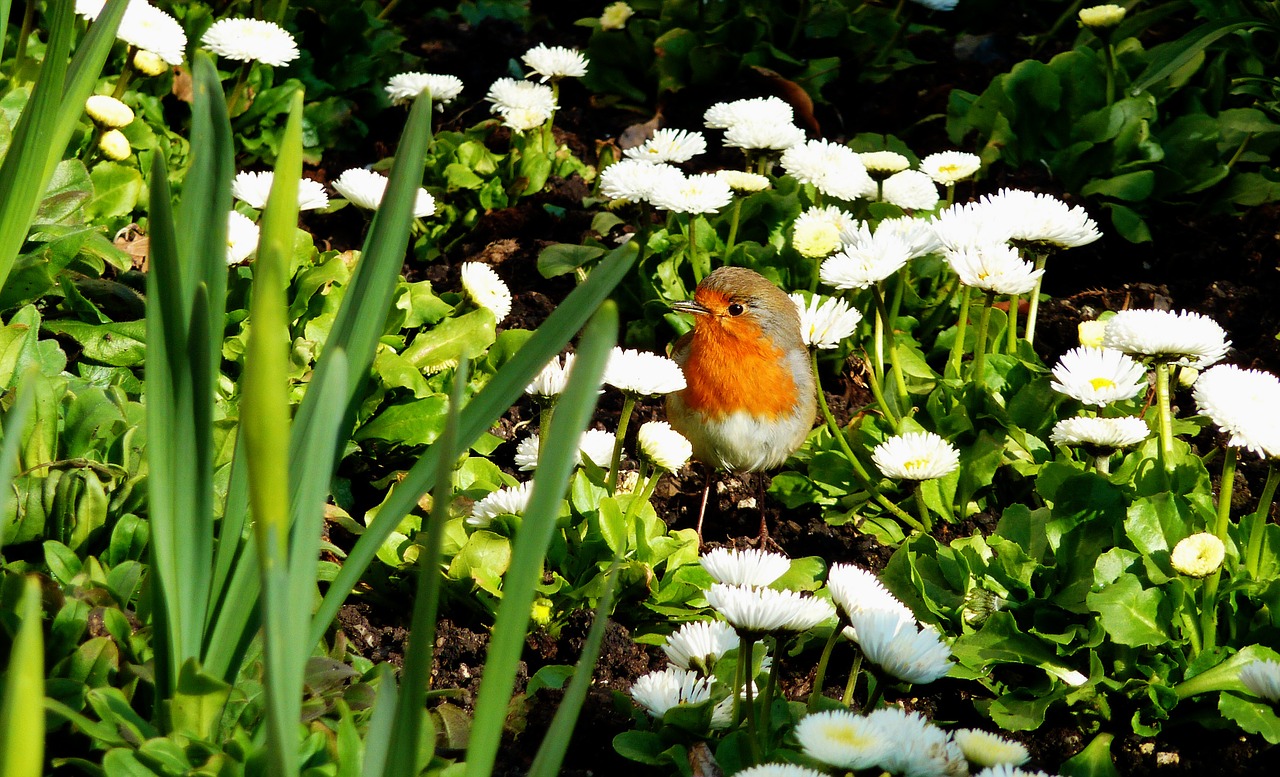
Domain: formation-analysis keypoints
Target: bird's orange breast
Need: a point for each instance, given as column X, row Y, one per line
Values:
column 727, row 372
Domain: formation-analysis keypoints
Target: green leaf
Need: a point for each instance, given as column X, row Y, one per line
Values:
column 115, row 190
column 1130, row 613
column 121, row 344
column 1186, row 48
column 21, row 705
column 1130, row 187
column 563, row 258
column 1093, row 761
column 1255, row 717
column 69, row 189
column 198, row 701
column 440, row 347
column 416, row 422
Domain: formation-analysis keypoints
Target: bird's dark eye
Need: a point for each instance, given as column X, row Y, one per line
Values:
column 735, row 309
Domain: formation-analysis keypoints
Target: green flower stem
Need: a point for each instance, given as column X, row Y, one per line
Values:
column 951, row 195
column 1192, row 629
column 922, row 508
column 1102, row 463
column 1033, row 311
column 742, row 693
column 701, row 264
column 1011, row 331
column 233, row 102
column 1111, row 72
column 859, row 472
column 545, row 408
column 733, row 225
column 770, row 690
column 962, row 324
column 1209, row 604
column 884, row 325
column 628, row 405
column 1253, row 554
column 852, row 683
column 28, row 22
column 1166, row 413
column 880, row 400
column 820, row 675
column 644, row 489
column 548, row 134
column 126, row 74
column 976, row 370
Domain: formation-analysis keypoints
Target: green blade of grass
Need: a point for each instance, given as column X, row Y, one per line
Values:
column 483, row 410
column 556, row 463
column 264, row 412
column 5, row 7
column 555, row 743
column 15, row 420
column 406, row 733
column 82, row 76
column 377, row 738
column 22, row 708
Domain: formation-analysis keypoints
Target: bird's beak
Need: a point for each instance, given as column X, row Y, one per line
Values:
column 690, row 306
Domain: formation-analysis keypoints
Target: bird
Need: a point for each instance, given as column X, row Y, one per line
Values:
column 750, row 396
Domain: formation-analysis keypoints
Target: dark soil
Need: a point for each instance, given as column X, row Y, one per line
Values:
column 1223, row 266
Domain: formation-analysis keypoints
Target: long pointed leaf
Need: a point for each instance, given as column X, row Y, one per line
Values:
column 14, row 421
column 1186, row 48
column 22, row 708
column 483, row 410
column 573, row 413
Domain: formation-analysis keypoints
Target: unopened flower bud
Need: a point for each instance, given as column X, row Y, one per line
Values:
column 149, row 64
column 114, row 145
column 1102, row 16
column 615, row 16
column 1199, row 555
column 1091, row 333
column 108, row 111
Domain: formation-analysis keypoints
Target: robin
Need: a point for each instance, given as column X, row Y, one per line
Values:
column 750, row 397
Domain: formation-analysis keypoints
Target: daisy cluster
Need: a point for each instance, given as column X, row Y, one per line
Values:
column 145, row 28
column 1098, row 377
column 523, row 105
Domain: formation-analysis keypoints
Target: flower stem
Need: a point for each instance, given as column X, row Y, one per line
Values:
column 733, row 226
column 962, row 325
column 628, row 405
column 1209, row 604
column 1102, row 463
column 859, row 472
column 1253, row 555
column 746, row 660
column 700, row 268
column 1033, row 311
column 820, row 675
column 922, row 508
column 1011, row 331
column 852, row 684
column 242, row 79
column 544, row 419
column 882, row 315
column 977, row 374
column 1166, row 414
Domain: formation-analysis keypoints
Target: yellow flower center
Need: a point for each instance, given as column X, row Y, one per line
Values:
column 1102, row 383
column 916, row 464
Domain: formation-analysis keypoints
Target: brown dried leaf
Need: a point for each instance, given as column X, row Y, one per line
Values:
column 182, row 84
column 137, row 245
column 794, row 95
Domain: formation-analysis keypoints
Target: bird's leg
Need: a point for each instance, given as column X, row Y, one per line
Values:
column 702, row 510
column 764, row 540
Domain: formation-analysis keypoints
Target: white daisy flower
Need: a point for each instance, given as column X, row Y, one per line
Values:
column 763, row 136
column 910, row 190
column 950, row 167
column 662, row 446
column 921, row 748
column 1043, row 219
column 669, row 145
column 982, row 748
column 698, row 645
column 856, row 590
column 1198, row 555
column 1101, row 432
column 550, row 382
column 916, row 456
column 242, row 237
column 744, row 567
column 108, row 111
column 778, row 770
column 253, row 189
column 969, row 224
column 526, row 458
column 405, row 87
column 555, row 62
column 763, row 610
column 486, row 289
column 596, row 445
column 251, row 40
column 763, row 110
column 1262, row 678
column 701, row 193
column 832, row 168
column 937, row 5
column 884, row 162
column 1099, row 376
column 1184, row 338
column 741, row 181
column 816, row 232
column 917, row 234
column 1009, row 770
column 994, row 267
column 365, row 188
column 114, row 145
column 842, row 739
column 643, row 373
column 900, row 647
column 658, row 692
column 825, row 322
column 149, row 29
column 865, row 262
column 636, row 181
column 504, row 501
column 1243, row 404
column 1102, row 16
column 523, row 105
